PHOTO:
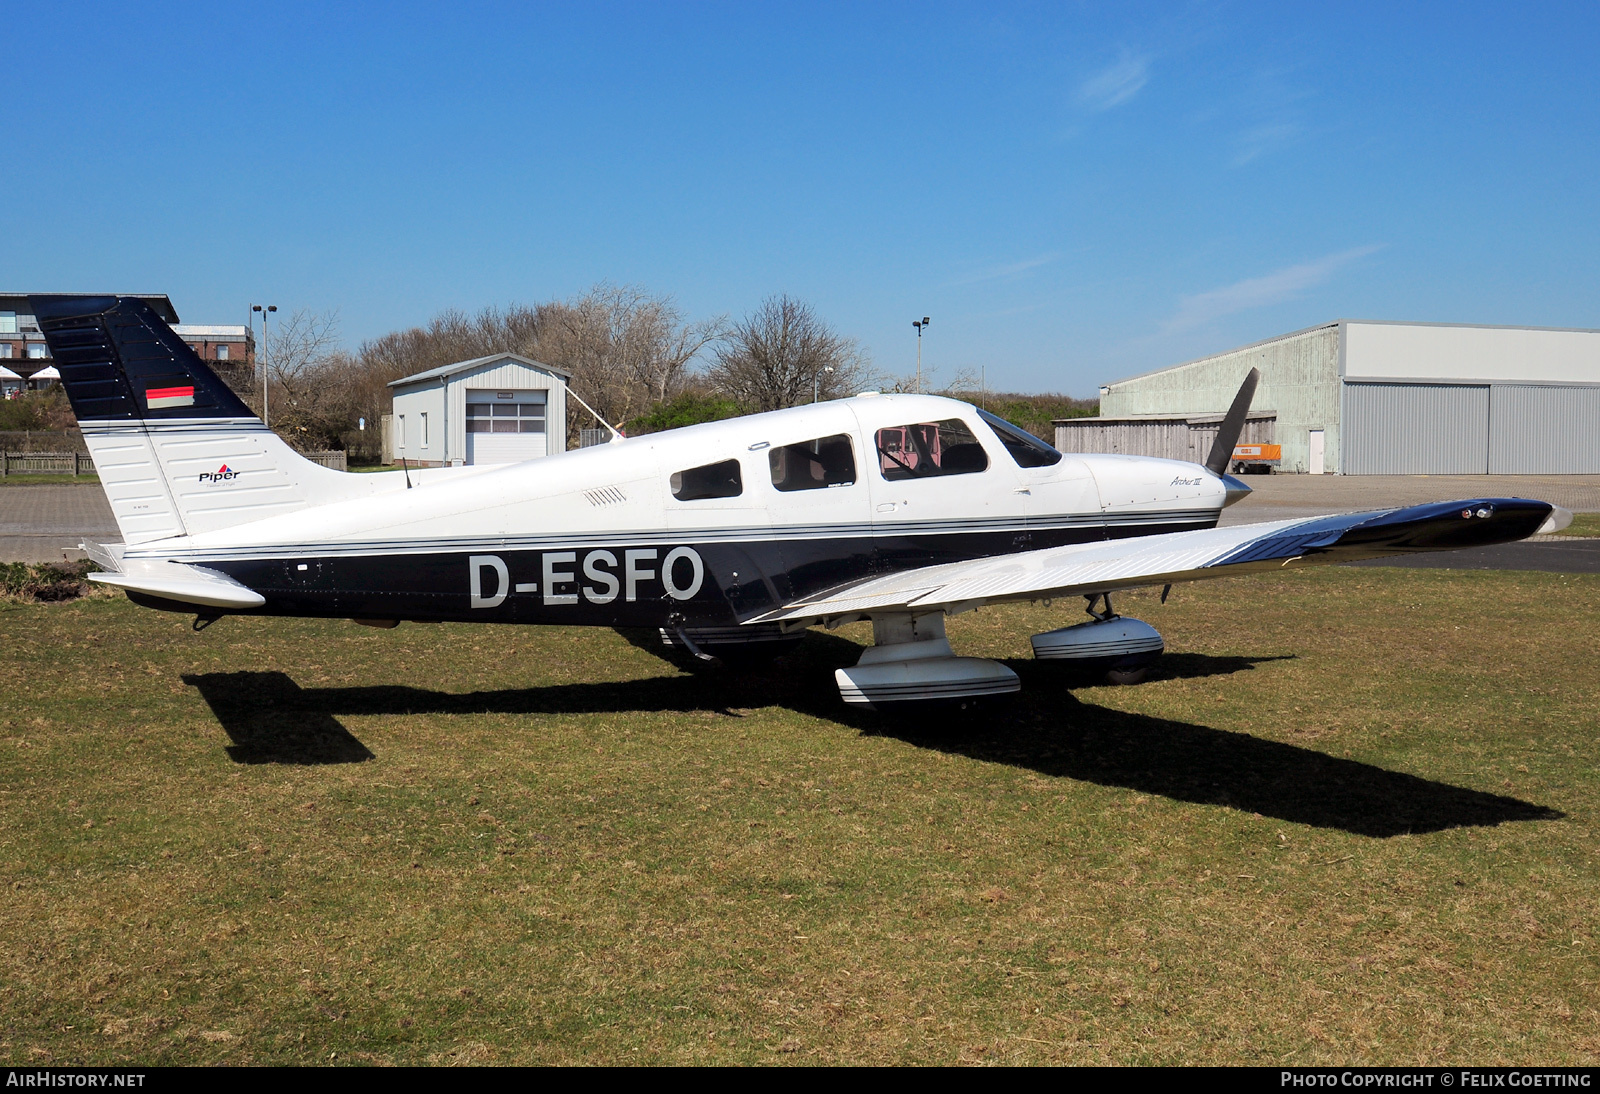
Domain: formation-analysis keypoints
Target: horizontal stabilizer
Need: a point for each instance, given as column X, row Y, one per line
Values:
column 186, row 584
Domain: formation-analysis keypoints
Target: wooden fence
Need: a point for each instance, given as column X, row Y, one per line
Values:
column 45, row 463
column 79, row 463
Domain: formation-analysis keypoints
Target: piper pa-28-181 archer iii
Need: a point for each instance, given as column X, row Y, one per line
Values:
column 732, row 537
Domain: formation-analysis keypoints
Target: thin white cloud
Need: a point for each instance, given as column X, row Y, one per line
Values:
column 1009, row 270
column 1258, row 292
column 1116, row 84
column 1260, row 139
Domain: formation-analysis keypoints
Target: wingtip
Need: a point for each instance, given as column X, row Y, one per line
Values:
column 1558, row 519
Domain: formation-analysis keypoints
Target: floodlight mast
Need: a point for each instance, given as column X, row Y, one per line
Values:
column 265, row 419
column 920, row 324
column 816, row 383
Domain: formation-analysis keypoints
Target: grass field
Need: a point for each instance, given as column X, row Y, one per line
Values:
column 1351, row 819
column 1583, row 524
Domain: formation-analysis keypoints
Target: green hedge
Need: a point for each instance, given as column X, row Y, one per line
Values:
column 51, row 581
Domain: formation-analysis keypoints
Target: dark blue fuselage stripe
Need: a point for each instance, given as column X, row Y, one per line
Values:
column 741, row 580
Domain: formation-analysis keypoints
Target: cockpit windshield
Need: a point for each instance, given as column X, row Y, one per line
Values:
column 1025, row 448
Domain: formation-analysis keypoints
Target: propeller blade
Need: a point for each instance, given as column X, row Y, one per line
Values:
column 1232, row 425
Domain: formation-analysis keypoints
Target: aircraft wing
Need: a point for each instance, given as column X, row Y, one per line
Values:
column 1106, row 566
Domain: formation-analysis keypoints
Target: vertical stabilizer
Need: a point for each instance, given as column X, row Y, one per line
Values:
column 177, row 452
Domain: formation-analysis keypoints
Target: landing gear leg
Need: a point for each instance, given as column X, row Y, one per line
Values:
column 1108, row 612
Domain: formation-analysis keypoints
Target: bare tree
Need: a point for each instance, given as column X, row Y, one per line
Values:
column 452, row 336
column 626, row 349
column 962, row 385
column 778, row 354
column 309, row 380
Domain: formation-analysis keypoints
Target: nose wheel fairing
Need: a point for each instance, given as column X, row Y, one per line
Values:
column 1123, row 648
column 1115, row 644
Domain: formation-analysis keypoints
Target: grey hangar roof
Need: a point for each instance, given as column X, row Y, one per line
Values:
column 477, row 362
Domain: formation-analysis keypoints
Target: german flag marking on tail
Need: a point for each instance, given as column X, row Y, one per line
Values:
column 157, row 397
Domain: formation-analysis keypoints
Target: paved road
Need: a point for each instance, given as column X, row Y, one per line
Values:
column 1554, row 555
column 38, row 522
column 1284, row 497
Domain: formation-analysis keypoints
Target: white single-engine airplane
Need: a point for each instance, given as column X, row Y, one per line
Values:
column 731, row 537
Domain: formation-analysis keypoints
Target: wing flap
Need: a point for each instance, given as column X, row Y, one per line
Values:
column 1181, row 556
column 187, row 584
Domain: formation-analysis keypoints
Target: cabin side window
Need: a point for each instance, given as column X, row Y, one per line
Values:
column 1024, row 447
column 714, row 480
column 813, row 465
column 925, row 450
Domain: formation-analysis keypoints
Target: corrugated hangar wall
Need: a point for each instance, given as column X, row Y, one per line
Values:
column 1416, row 429
column 1544, row 429
column 1388, row 397
column 1472, row 429
column 1168, row 438
column 1299, row 387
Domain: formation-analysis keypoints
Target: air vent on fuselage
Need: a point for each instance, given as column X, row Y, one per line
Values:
column 606, row 495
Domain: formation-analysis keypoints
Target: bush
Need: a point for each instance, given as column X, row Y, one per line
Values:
column 46, row 583
column 689, row 409
column 1035, row 413
column 37, row 410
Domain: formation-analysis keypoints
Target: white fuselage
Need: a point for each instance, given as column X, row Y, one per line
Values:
column 617, row 534
column 624, row 487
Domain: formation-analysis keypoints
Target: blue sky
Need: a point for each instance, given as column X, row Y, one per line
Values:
column 1073, row 193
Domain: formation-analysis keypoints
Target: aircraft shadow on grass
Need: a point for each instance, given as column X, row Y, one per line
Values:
column 271, row 719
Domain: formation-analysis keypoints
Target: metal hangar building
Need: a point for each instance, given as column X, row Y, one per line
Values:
column 1368, row 397
column 503, row 408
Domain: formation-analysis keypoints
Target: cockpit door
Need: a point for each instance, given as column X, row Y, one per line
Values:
column 941, row 491
column 1063, row 503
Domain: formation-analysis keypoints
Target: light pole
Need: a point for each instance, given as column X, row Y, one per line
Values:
column 919, row 325
column 816, row 383
column 270, row 308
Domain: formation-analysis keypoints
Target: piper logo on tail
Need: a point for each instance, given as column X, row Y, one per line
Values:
column 221, row 474
column 158, row 397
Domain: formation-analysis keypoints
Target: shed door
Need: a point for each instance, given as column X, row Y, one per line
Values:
column 505, row 426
